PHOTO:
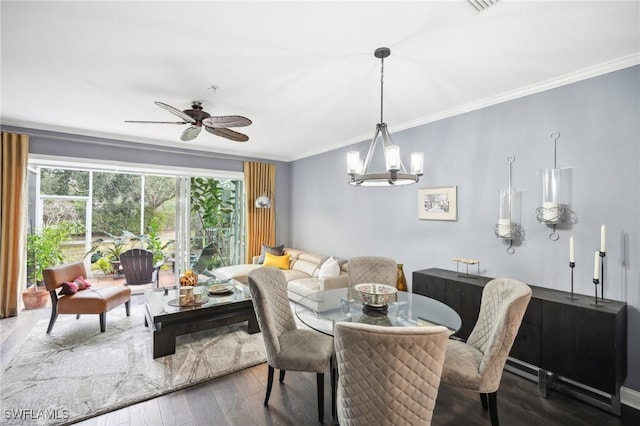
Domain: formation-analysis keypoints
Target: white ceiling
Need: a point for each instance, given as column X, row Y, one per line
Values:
column 303, row 71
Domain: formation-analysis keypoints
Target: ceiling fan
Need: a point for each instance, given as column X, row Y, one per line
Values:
column 197, row 118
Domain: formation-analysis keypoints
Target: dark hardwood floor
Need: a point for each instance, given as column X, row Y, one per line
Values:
column 237, row 399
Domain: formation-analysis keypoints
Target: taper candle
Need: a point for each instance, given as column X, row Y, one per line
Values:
column 602, row 239
column 571, row 259
column 596, row 266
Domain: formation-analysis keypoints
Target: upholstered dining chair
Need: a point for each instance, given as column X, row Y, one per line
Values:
column 138, row 267
column 371, row 269
column 288, row 348
column 388, row 375
column 477, row 364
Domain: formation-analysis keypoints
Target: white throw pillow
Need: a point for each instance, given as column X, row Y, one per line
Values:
column 329, row 268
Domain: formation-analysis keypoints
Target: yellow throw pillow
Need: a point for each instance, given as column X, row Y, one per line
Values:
column 281, row 262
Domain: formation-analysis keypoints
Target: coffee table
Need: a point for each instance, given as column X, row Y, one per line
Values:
column 168, row 321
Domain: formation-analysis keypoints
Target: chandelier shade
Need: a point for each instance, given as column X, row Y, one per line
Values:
column 395, row 173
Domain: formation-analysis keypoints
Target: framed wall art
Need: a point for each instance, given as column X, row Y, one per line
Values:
column 438, row 203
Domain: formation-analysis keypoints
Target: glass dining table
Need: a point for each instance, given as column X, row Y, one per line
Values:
column 321, row 310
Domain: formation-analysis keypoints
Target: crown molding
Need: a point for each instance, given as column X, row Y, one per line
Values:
column 563, row 80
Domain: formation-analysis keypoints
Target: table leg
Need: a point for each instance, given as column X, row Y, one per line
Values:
column 164, row 343
column 253, row 326
column 543, row 383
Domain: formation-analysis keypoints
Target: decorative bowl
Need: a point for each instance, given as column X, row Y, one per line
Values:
column 376, row 295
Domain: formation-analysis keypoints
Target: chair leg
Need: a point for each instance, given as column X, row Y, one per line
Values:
column 127, row 307
column 78, row 316
column 483, row 400
column 54, row 317
column 282, row 375
column 103, row 322
column 493, row 408
column 334, row 388
column 269, row 385
column 320, row 379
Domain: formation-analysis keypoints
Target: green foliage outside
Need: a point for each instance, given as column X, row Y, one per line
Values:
column 44, row 249
column 213, row 201
column 116, row 212
column 153, row 242
column 116, row 198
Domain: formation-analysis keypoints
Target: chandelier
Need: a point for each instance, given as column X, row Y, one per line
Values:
column 395, row 173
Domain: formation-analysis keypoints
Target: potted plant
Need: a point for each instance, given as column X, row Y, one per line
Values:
column 44, row 249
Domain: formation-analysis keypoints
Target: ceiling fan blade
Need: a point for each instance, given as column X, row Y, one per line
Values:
column 175, row 111
column 156, row 122
column 228, row 133
column 226, row 121
column 190, row 133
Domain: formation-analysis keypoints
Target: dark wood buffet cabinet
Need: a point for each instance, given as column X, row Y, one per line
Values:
column 559, row 338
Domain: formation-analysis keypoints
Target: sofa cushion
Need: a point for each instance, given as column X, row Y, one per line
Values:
column 275, row 250
column 305, row 266
column 237, row 272
column 281, row 262
column 293, row 253
column 294, row 275
column 304, row 286
column 329, row 268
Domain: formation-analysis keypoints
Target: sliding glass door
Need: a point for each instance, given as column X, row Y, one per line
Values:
column 104, row 212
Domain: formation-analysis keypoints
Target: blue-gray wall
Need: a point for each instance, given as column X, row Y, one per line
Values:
column 599, row 143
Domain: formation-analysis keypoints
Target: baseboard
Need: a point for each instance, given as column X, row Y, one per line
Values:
column 630, row 397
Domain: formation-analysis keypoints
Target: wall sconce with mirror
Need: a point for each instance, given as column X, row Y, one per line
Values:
column 555, row 194
column 508, row 226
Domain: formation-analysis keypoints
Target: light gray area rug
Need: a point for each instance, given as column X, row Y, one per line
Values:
column 76, row 372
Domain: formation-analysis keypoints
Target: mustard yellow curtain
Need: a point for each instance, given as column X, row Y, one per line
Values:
column 13, row 182
column 259, row 179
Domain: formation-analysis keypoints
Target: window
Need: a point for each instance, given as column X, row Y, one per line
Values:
column 105, row 210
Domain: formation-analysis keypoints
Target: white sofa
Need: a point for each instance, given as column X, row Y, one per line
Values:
column 302, row 275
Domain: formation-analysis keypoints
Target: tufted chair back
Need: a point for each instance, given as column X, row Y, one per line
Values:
column 504, row 302
column 477, row 364
column 372, row 269
column 288, row 347
column 388, row 375
column 269, row 292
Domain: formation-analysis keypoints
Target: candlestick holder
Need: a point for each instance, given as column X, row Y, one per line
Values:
column 595, row 284
column 572, row 265
column 602, row 256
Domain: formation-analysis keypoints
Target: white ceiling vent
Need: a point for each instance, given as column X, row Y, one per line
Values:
column 480, row 5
